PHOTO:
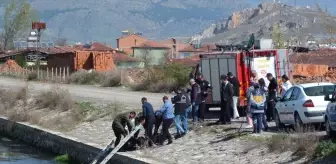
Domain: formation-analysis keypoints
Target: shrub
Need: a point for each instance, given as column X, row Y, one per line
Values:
column 111, row 79
column 302, row 145
column 162, row 87
column 178, row 72
column 142, row 86
column 10, row 97
column 165, row 79
column 325, row 148
column 84, row 77
column 56, row 98
column 32, row 76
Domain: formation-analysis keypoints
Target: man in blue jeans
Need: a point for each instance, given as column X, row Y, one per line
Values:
column 257, row 106
column 195, row 99
column 182, row 102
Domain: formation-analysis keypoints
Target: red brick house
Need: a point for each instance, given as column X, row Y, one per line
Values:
column 126, row 42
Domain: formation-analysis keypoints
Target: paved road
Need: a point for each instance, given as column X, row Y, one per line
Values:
column 90, row 93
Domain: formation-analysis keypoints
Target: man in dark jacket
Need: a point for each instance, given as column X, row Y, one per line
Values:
column 235, row 83
column 181, row 101
column 205, row 86
column 272, row 89
column 226, row 91
column 119, row 124
column 148, row 113
column 195, row 98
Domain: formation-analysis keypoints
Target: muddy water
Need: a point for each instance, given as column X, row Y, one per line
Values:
column 15, row 152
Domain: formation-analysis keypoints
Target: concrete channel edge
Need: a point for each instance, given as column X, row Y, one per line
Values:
column 58, row 144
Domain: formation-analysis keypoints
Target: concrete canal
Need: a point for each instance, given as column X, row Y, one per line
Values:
column 16, row 152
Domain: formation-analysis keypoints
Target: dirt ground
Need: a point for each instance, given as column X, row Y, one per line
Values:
column 208, row 144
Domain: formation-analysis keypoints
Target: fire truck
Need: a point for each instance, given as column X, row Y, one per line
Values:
column 214, row 64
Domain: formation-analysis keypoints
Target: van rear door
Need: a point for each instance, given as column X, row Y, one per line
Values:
column 212, row 67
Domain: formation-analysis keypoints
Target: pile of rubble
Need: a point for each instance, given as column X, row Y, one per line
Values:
column 329, row 76
column 136, row 75
column 11, row 66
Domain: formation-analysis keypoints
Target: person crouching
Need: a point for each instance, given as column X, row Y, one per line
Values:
column 257, row 101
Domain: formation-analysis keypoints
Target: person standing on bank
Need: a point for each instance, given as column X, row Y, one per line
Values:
column 285, row 85
column 257, row 100
column 205, row 86
column 226, row 92
column 148, row 113
column 236, row 86
column 167, row 111
column 272, row 92
column 263, row 87
column 195, row 99
column 180, row 101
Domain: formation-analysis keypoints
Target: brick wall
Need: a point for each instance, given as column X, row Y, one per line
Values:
column 127, row 42
column 309, row 70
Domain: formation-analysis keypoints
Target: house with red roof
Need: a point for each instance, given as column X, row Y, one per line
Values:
column 126, row 42
column 193, row 50
column 151, row 53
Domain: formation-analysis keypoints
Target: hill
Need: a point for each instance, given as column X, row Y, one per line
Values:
column 296, row 23
column 103, row 20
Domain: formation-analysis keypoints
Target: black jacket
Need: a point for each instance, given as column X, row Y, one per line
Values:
column 195, row 95
column 235, row 82
column 181, row 102
column 272, row 88
column 226, row 92
column 205, row 86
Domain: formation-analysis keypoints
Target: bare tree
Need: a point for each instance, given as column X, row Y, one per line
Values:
column 17, row 19
column 60, row 41
column 146, row 56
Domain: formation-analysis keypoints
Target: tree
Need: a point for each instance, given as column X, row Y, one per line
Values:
column 17, row 19
column 146, row 56
column 20, row 60
column 278, row 37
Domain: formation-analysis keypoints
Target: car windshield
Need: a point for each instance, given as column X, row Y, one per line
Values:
column 319, row 90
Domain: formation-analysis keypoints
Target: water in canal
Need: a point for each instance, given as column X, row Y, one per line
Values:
column 15, row 152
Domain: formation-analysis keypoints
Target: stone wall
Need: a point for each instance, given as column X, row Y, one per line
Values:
column 57, row 144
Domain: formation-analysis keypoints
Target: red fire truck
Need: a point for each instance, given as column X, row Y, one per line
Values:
column 241, row 63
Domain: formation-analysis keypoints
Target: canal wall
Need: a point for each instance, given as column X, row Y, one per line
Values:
column 58, row 144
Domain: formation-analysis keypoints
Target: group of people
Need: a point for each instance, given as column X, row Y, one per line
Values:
column 261, row 98
column 260, row 109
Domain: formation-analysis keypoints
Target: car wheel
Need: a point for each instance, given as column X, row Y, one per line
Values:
column 298, row 123
column 330, row 132
column 278, row 123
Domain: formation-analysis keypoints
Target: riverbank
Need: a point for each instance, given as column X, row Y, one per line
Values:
column 60, row 143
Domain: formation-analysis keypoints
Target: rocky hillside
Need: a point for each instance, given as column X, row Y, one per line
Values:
column 296, row 23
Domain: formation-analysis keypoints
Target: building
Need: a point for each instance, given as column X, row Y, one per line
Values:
column 77, row 59
column 125, row 61
column 193, row 50
column 151, row 53
column 126, row 42
column 175, row 47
